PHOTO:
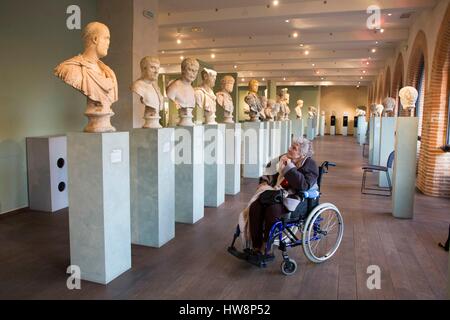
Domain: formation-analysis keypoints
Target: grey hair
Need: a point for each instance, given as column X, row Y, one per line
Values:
column 305, row 146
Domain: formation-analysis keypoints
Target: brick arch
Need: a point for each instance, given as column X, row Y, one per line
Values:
column 397, row 80
column 379, row 88
column 387, row 84
column 433, row 178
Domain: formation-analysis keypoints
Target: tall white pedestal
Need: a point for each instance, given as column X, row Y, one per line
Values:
column 233, row 136
column 284, row 142
column 266, row 145
column 214, row 165
column 374, row 140
column 99, row 200
column 322, row 126
column 310, row 133
column 344, row 131
column 316, row 126
column 47, row 173
column 355, row 127
column 189, row 174
column 362, row 128
column 332, row 130
column 289, row 133
column 405, row 165
column 387, row 145
column 253, row 149
column 275, row 137
column 152, row 186
column 297, row 128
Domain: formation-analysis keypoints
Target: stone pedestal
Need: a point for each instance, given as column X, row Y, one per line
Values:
column 266, row 145
column 387, row 145
column 374, row 141
column 233, row 136
column 275, row 137
column 284, row 132
column 152, row 186
column 253, row 149
column 189, row 174
column 310, row 134
column 99, row 204
column 405, row 164
column 214, row 165
column 297, row 128
column 47, row 173
column 362, row 128
column 332, row 130
column 289, row 133
column 322, row 126
column 344, row 131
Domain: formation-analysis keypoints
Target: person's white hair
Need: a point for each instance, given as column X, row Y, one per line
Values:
column 305, row 146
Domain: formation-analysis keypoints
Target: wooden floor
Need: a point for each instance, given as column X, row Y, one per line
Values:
column 34, row 251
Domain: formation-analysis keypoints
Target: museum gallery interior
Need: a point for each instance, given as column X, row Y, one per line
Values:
column 225, row 150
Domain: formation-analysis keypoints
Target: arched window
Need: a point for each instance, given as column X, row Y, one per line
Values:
column 421, row 90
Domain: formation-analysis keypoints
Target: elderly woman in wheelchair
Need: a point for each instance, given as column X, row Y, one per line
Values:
column 286, row 202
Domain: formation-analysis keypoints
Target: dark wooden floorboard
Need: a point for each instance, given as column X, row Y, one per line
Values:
column 195, row 265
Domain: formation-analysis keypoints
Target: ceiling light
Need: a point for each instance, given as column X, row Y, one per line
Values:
column 376, row 42
column 374, row 50
column 362, row 78
column 382, row 30
column 284, row 79
column 242, row 79
column 213, row 56
column 181, row 58
column 178, row 41
column 313, row 64
column 301, row 44
column 263, row 79
column 287, row 21
column 295, row 34
column 322, row 78
column 364, row 71
column 275, row 2
column 367, row 63
column 306, row 52
column 235, row 67
column 390, row 14
column 163, row 52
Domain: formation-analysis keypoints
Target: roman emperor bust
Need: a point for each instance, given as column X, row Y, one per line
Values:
column 225, row 100
column 298, row 109
column 205, row 97
column 93, row 78
column 253, row 100
column 181, row 92
column 147, row 88
column 408, row 98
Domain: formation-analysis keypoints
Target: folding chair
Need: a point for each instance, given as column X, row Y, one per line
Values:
column 380, row 191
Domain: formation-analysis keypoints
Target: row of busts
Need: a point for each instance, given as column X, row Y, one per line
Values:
column 408, row 98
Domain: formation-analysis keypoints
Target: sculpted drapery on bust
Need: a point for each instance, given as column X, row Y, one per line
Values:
column 253, row 100
column 93, row 78
column 147, row 88
column 205, row 97
column 225, row 100
column 181, row 92
column 298, row 109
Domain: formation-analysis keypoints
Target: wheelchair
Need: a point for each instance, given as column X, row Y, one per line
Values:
column 320, row 228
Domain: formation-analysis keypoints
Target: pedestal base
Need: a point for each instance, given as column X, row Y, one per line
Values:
column 253, row 156
column 405, row 165
column 233, row 136
column 322, row 126
column 362, row 129
column 152, row 186
column 344, row 131
column 185, row 115
column 189, row 174
column 214, row 165
column 99, row 198
column 284, row 141
column 310, row 133
column 297, row 128
column 332, row 131
column 266, row 144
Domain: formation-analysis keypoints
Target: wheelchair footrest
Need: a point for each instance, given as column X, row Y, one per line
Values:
column 248, row 255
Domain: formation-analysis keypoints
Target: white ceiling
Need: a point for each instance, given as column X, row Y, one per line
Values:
column 255, row 40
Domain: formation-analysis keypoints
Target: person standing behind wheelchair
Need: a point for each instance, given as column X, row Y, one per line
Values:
column 294, row 173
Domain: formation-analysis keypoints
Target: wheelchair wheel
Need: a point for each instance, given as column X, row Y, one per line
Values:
column 288, row 267
column 323, row 233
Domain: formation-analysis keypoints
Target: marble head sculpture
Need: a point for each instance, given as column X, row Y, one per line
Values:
column 360, row 112
column 181, row 92
column 262, row 114
column 253, row 100
column 205, row 97
column 408, row 98
column 225, row 100
column 93, row 78
column 283, row 100
column 389, row 104
column 298, row 109
column 379, row 110
column 312, row 112
column 373, row 109
column 270, row 110
column 147, row 88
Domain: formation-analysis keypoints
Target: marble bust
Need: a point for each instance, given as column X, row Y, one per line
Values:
column 360, row 112
column 93, row 78
column 408, row 98
column 262, row 114
column 373, row 109
column 181, row 92
column 205, row 97
column 270, row 110
column 147, row 88
column 312, row 112
column 298, row 109
column 285, row 97
column 225, row 100
column 389, row 105
column 379, row 110
column 253, row 100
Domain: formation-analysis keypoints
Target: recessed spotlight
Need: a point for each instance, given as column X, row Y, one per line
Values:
column 162, row 52
column 306, row 52
column 322, row 78
column 362, row 78
column 313, row 64
column 235, row 67
column 382, row 30
column 213, row 56
column 284, row 79
column 364, row 71
column 390, row 14
column 178, row 41
column 242, row 79
column 287, row 21
column 181, row 58
column 301, row 44
column 374, row 50
column 263, row 79
column 376, row 42
column 317, row 72
column 367, row 63
column 295, row 34
column 275, row 2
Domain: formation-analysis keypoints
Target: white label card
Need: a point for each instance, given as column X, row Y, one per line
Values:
column 116, row 156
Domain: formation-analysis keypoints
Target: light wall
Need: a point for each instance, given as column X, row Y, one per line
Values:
column 33, row 102
column 341, row 99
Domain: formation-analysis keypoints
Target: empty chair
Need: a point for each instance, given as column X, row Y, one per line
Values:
column 379, row 191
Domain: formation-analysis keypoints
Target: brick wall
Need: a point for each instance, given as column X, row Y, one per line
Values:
column 397, row 81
